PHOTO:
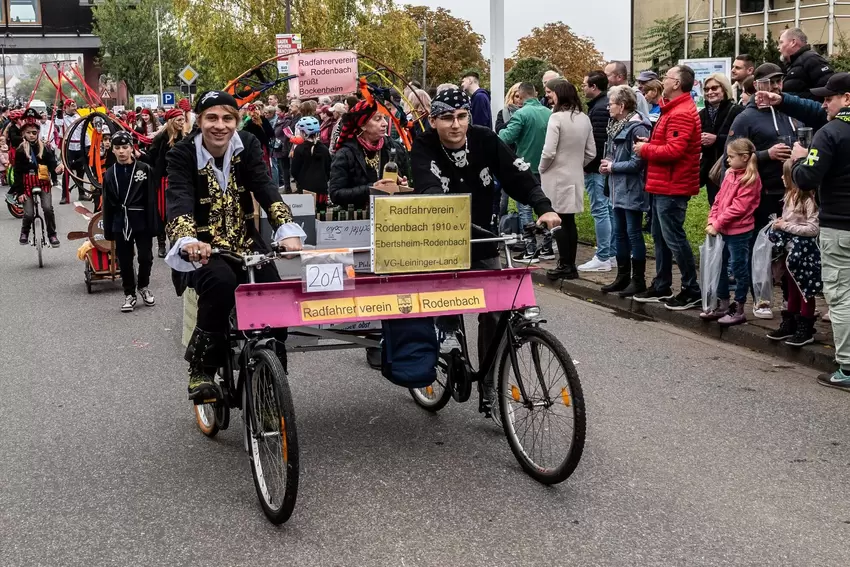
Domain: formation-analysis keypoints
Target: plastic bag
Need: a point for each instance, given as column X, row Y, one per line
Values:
column 762, row 273
column 710, row 268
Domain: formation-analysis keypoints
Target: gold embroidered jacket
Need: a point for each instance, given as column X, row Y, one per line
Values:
column 198, row 208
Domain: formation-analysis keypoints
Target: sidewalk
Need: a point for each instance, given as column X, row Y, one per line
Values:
column 752, row 334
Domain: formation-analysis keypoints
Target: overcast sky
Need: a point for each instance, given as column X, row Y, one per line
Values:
column 606, row 21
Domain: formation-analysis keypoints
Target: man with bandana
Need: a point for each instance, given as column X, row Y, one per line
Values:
column 130, row 218
column 456, row 157
column 214, row 176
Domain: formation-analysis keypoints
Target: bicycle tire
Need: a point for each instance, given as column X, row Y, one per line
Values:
column 271, row 413
column 430, row 398
column 212, row 418
column 38, row 239
column 571, row 396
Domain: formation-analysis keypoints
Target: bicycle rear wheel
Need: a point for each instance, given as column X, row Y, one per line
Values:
column 38, row 239
column 212, row 418
column 545, row 427
column 272, row 437
column 435, row 396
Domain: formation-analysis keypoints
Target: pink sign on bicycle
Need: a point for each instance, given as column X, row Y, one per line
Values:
column 324, row 73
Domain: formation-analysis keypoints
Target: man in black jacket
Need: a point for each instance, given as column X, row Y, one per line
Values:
column 825, row 168
column 130, row 218
column 214, row 176
column 595, row 88
column 807, row 69
column 456, row 157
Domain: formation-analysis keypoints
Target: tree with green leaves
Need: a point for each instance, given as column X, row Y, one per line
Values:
column 530, row 70
column 723, row 45
column 662, row 43
column 128, row 36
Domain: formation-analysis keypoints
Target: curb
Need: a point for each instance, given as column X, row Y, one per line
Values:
column 816, row 355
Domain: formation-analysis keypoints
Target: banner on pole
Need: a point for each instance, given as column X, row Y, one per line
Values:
column 286, row 44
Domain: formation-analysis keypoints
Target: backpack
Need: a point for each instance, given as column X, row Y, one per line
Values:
column 410, row 351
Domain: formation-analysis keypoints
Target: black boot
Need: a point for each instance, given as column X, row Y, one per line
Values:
column 161, row 251
column 804, row 333
column 204, row 355
column 624, row 270
column 563, row 271
column 787, row 328
column 638, row 283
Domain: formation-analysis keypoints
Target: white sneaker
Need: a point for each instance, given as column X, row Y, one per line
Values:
column 596, row 265
column 762, row 311
column 129, row 304
column 147, row 297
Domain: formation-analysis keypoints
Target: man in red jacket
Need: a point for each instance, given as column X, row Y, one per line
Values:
column 672, row 178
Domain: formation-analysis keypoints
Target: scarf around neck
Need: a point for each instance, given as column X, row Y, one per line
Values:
column 616, row 126
column 371, row 148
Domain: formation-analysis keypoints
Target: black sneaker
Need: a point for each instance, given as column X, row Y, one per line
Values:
column 54, row 241
column 24, row 238
column 685, row 300
column 129, row 304
column 653, row 295
column 547, row 254
column 526, row 258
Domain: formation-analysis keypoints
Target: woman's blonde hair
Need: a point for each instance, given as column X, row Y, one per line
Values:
column 421, row 101
column 173, row 132
column 724, row 83
column 742, row 146
column 509, row 97
column 793, row 194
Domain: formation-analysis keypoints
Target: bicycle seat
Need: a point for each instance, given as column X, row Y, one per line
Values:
column 36, row 190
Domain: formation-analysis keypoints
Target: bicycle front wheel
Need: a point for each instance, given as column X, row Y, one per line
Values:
column 542, row 406
column 272, row 437
column 38, row 239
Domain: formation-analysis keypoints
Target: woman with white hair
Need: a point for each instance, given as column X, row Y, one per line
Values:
column 716, row 118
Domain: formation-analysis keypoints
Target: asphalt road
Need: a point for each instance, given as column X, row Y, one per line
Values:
column 697, row 453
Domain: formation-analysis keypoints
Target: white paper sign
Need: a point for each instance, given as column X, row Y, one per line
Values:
column 353, row 234
column 324, row 277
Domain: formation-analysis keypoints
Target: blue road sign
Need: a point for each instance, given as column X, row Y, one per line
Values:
column 168, row 99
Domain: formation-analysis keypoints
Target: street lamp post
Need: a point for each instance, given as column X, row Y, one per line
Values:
column 5, row 94
column 159, row 54
column 423, row 41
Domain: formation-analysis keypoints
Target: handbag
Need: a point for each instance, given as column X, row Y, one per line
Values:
column 43, row 173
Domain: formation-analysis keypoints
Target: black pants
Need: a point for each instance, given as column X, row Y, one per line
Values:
column 76, row 159
column 711, row 191
column 125, row 252
column 567, row 239
column 283, row 166
column 215, row 284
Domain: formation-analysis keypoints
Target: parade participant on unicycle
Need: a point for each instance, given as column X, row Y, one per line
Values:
column 456, row 157
column 214, row 175
column 130, row 218
column 33, row 166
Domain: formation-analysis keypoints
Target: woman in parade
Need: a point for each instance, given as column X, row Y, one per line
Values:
column 174, row 131
column 259, row 126
column 146, row 125
column 32, row 168
column 362, row 151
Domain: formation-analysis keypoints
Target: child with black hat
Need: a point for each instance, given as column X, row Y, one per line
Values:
column 130, row 218
column 33, row 166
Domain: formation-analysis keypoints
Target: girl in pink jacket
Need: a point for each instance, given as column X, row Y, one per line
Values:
column 733, row 217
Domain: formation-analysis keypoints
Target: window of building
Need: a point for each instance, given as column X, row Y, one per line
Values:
column 23, row 12
column 749, row 6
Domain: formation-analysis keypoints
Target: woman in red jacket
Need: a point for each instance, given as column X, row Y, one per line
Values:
column 733, row 217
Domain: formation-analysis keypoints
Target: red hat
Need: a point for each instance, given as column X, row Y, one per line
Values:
column 68, row 102
column 173, row 113
column 16, row 114
column 184, row 105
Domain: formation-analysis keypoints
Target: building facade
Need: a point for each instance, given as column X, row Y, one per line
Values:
column 825, row 22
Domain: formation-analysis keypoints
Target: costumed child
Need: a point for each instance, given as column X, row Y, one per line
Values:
column 32, row 168
column 311, row 161
column 795, row 234
column 130, row 218
column 733, row 217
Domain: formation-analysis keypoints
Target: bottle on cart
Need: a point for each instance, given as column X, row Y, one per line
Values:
column 351, row 213
column 391, row 168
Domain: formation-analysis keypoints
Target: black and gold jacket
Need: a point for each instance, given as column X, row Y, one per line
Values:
column 198, row 208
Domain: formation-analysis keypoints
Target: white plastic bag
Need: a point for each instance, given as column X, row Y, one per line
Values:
column 710, row 268
column 762, row 273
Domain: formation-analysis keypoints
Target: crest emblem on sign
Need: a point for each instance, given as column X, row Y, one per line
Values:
column 405, row 303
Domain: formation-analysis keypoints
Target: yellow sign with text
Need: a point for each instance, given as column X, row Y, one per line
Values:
column 378, row 306
column 420, row 233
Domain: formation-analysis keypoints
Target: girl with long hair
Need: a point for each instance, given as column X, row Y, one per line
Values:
column 733, row 217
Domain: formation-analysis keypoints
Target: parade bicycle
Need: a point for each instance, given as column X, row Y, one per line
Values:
column 540, row 399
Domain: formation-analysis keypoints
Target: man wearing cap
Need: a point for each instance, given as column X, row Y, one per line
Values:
column 130, row 218
column 214, row 176
column 456, row 157
column 646, row 76
column 773, row 134
column 825, row 168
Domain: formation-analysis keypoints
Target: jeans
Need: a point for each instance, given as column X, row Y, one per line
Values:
column 736, row 248
column 668, row 232
column 628, row 234
column 835, row 264
column 125, row 253
column 47, row 211
column 602, row 212
column 275, row 169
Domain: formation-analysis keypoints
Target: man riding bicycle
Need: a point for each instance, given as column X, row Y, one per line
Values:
column 214, row 176
column 455, row 157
